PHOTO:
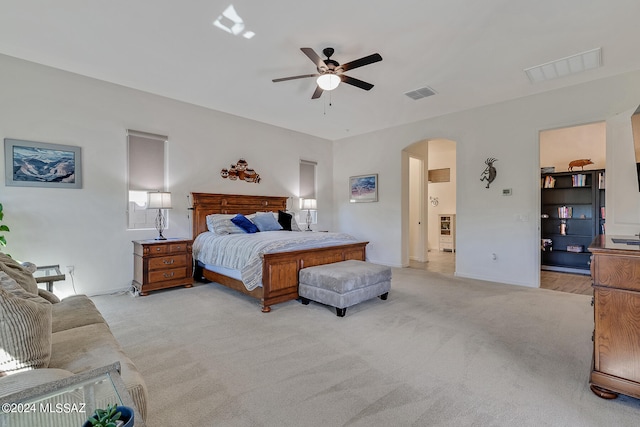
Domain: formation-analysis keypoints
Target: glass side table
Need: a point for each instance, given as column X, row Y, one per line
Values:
column 69, row 401
column 48, row 274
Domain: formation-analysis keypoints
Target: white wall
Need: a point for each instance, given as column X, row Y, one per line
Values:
column 87, row 227
column 558, row 147
column 487, row 221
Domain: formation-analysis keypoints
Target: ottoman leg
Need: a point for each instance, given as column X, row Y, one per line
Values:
column 384, row 296
column 340, row 312
column 304, row 301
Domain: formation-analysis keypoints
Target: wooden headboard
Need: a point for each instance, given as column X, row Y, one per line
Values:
column 206, row 204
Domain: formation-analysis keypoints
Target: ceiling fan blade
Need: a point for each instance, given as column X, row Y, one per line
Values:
column 375, row 57
column 356, row 82
column 313, row 56
column 294, row 77
column 317, row 93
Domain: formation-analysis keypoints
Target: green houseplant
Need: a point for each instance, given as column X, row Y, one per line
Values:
column 3, row 240
column 112, row 416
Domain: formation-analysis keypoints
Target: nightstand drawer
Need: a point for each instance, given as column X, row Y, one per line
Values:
column 158, row 249
column 171, row 274
column 177, row 248
column 170, row 261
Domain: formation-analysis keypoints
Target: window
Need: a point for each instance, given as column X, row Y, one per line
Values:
column 308, row 185
column 147, row 160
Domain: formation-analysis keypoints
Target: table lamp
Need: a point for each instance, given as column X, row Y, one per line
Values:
column 159, row 200
column 309, row 204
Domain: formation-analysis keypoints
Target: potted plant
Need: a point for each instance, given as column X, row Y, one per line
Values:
column 3, row 240
column 112, row 416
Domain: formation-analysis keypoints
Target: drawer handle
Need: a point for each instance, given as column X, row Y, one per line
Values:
column 168, row 261
column 158, row 249
column 168, row 275
column 179, row 248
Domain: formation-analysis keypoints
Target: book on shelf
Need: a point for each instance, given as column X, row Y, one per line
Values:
column 601, row 181
column 602, row 212
column 579, row 180
column 549, row 182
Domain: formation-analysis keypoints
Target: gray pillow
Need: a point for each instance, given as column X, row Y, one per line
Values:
column 266, row 222
column 25, row 331
column 18, row 273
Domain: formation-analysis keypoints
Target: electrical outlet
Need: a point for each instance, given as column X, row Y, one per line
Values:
column 71, row 269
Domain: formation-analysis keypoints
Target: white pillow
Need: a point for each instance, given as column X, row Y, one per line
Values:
column 221, row 224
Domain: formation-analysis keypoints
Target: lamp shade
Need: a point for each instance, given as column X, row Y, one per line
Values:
column 328, row 81
column 159, row 200
column 309, row 204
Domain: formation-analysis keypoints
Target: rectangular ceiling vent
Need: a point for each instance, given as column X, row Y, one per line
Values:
column 565, row 66
column 423, row 92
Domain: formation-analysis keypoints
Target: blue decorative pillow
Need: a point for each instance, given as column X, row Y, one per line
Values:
column 266, row 222
column 244, row 223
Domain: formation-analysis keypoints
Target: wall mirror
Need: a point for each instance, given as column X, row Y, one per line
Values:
column 635, row 127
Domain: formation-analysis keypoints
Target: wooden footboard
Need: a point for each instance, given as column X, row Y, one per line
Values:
column 279, row 270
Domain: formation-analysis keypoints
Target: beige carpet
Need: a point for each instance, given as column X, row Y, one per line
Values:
column 440, row 351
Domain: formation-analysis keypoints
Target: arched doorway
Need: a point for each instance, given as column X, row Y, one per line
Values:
column 429, row 169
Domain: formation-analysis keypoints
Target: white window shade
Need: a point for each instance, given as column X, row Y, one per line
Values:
column 146, row 173
column 146, row 162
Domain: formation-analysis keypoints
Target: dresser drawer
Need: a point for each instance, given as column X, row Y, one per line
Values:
column 169, row 261
column 619, row 271
column 169, row 274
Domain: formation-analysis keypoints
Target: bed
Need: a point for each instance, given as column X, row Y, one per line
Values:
column 279, row 269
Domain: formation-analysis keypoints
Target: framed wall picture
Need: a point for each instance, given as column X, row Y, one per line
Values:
column 363, row 188
column 39, row 164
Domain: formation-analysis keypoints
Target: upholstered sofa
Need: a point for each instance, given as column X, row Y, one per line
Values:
column 44, row 339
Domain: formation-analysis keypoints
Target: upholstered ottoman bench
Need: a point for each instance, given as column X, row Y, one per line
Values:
column 343, row 284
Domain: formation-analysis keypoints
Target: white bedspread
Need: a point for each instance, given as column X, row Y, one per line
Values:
column 244, row 252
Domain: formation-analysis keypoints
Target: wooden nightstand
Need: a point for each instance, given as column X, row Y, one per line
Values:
column 160, row 264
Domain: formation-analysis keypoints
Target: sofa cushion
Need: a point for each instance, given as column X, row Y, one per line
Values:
column 87, row 347
column 75, row 311
column 19, row 273
column 25, row 333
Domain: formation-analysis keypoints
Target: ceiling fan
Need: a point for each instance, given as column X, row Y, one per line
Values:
column 330, row 72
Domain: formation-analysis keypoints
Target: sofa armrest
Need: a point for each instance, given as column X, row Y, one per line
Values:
column 48, row 296
column 20, row 381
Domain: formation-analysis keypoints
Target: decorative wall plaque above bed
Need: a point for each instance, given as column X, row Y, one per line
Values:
column 241, row 171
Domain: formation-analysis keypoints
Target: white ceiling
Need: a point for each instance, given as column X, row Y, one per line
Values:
column 471, row 52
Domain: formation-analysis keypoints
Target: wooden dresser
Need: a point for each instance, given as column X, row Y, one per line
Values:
column 615, row 270
column 160, row 264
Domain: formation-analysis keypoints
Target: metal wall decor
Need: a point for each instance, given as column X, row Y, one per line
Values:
column 489, row 173
column 240, row 171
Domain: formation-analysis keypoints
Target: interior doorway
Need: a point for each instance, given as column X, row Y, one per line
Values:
column 417, row 229
column 431, row 188
column 572, row 203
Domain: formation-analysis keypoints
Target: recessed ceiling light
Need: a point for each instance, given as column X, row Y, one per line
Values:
column 563, row 67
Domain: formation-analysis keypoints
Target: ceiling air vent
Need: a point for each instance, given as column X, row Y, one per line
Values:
column 423, row 92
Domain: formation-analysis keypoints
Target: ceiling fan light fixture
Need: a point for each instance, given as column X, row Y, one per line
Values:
column 328, row 81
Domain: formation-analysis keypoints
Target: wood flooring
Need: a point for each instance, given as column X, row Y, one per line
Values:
column 445, row 263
